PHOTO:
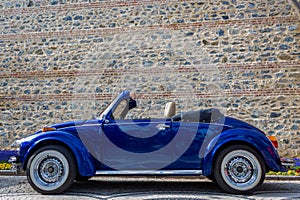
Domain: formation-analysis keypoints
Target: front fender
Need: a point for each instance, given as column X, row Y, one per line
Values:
column 252, row 138
column 73, row 143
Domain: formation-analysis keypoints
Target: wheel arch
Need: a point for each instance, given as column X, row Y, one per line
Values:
column 232, row 143
column 257, row 141
column 79, row 153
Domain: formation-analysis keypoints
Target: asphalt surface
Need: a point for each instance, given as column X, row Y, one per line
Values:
column 136, row 188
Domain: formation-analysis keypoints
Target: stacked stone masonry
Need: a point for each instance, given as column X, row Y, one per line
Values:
column 65, row 60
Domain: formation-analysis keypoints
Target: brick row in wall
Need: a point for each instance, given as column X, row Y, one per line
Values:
column 181, row 69
column 154, row 95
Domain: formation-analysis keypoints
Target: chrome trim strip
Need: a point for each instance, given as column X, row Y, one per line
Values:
column 124, row 123
column 151, row 172
column 137, row 122
column 96, row 124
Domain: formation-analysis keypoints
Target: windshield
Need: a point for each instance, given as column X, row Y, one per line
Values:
column 108, row 107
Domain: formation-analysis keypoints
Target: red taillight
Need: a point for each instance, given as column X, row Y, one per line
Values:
column 274, row 141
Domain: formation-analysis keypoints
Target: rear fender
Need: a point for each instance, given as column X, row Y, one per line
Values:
column 257, row 140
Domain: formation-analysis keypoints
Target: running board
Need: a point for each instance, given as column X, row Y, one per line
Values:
column 151, row 172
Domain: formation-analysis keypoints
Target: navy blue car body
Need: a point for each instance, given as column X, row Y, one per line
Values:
column 233, row 153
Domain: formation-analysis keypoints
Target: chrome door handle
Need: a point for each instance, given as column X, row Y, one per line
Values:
column 162, row 127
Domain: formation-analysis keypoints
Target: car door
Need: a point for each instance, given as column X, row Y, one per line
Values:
column 136, row 144
column 186, row 152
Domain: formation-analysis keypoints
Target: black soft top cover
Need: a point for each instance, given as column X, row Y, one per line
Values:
column 204, row 116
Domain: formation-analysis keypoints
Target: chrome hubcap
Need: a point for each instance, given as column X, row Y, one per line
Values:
column 50, row 170
column 239, row 170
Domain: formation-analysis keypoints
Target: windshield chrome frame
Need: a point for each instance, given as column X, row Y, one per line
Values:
column 114, row 103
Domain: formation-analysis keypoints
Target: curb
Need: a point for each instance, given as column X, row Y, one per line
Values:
column 282, row 178
column 268, row 177
column 11, row 173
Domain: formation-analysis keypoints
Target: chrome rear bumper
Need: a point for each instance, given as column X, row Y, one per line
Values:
column 287, row 162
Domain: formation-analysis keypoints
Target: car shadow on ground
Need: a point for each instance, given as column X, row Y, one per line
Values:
column 150, row 185
column 173, row 186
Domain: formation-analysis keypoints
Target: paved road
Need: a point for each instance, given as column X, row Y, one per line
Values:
column 136, row 188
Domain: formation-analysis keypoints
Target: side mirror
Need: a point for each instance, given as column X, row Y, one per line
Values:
column 131, row 104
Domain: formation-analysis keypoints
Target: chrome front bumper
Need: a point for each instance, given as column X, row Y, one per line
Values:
column 15, row 165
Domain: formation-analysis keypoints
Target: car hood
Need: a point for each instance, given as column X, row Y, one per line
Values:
column 69, row 127
column 76, row 123
column 68, row 124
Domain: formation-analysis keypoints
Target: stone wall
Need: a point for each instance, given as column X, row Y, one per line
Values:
column 65, row 60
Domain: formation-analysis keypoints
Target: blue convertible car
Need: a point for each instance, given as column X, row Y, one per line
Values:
column 228, row 151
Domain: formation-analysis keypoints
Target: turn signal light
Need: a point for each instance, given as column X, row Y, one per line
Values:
column 45, row 129
column 274, row 141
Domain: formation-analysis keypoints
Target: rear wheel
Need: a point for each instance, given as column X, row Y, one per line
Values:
column 51, row 169
column 239, row 169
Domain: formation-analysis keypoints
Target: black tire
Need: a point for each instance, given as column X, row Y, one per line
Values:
column 82, row 178
column 239, row 169
column 51, row 169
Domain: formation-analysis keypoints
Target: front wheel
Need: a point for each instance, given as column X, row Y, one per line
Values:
column 239, row 169
column 51, row 169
